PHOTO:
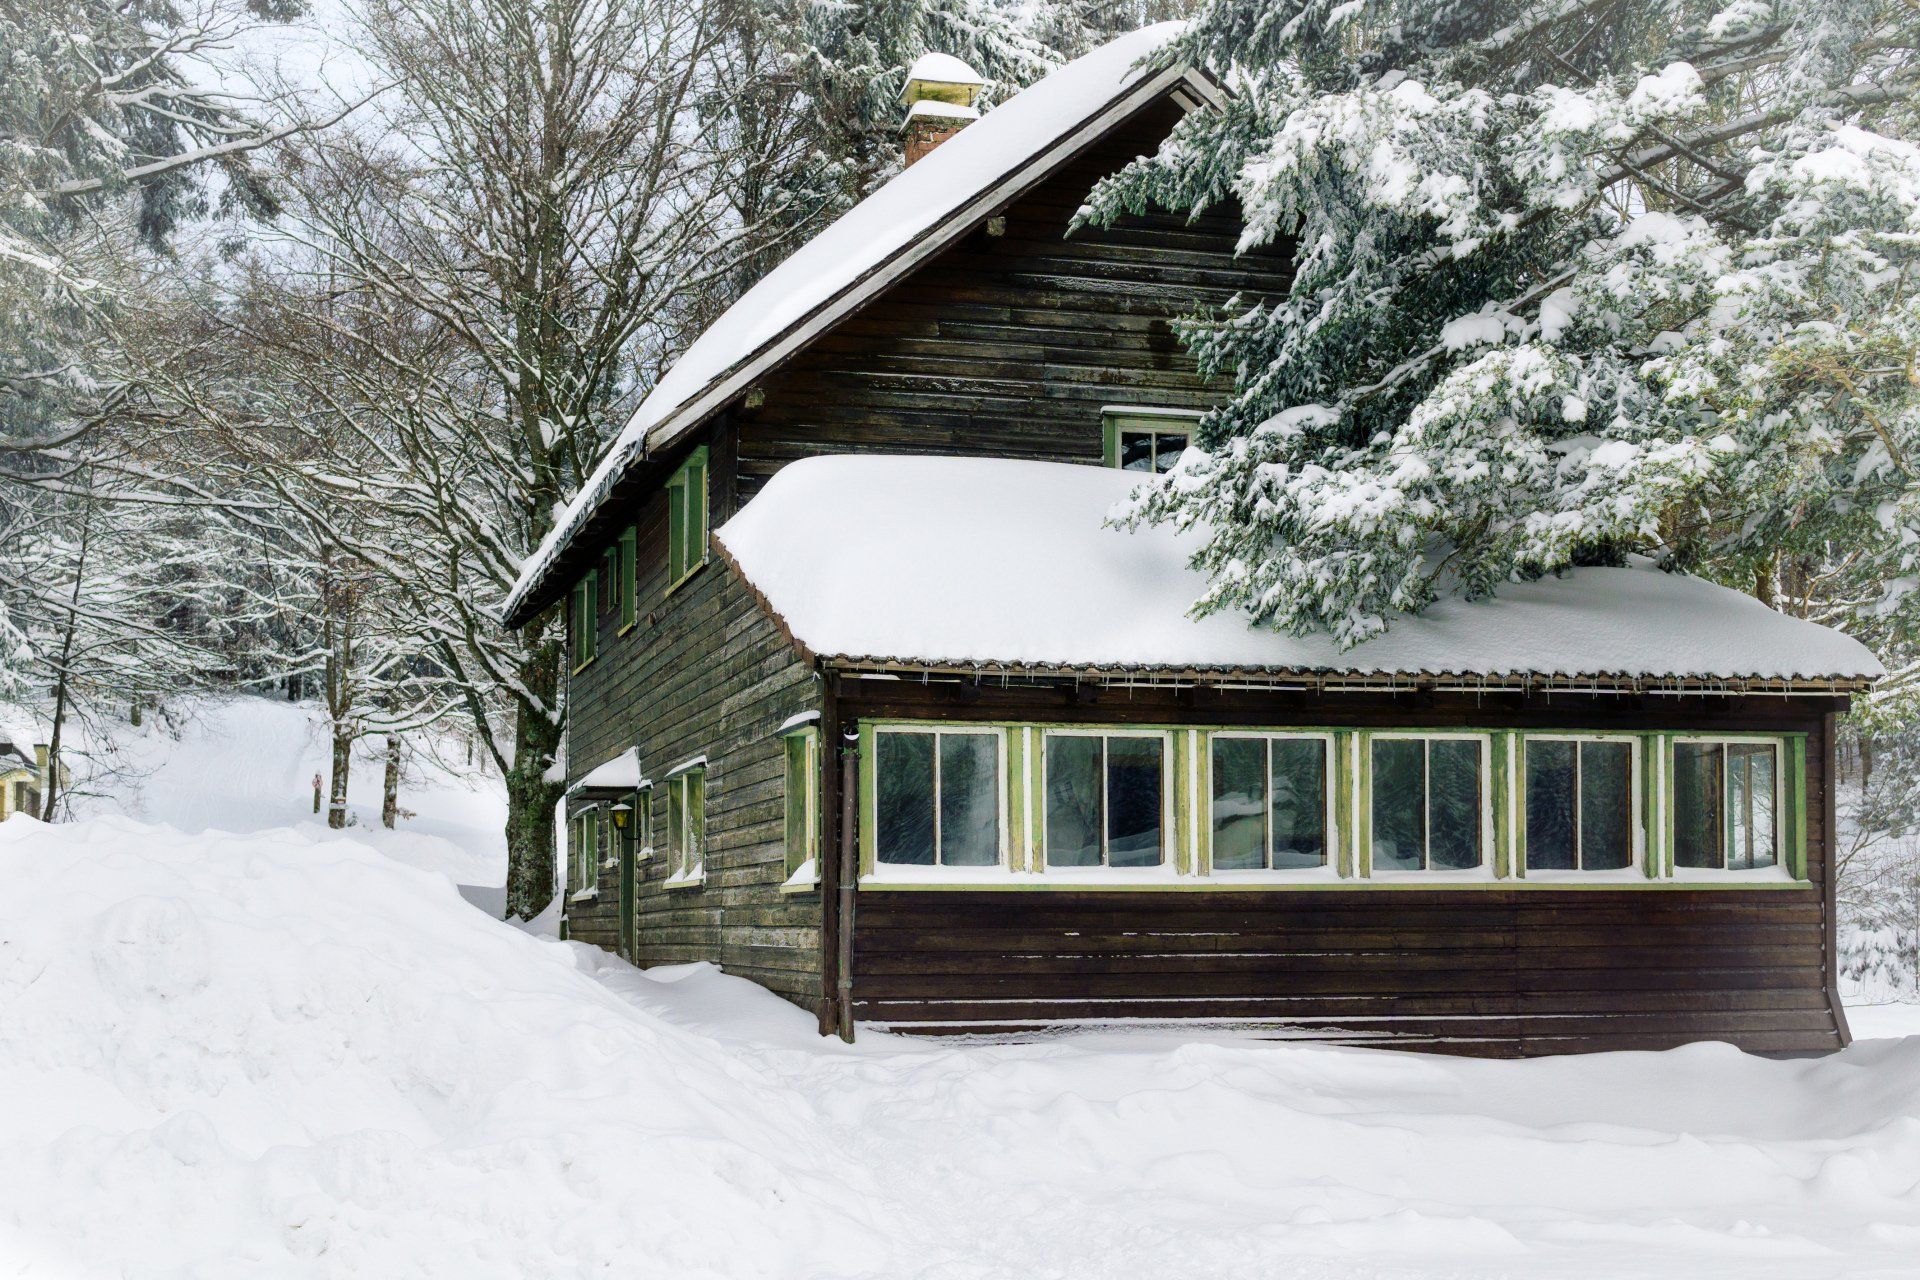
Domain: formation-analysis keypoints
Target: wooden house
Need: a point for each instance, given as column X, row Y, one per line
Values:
column 23, row 767
column 869, row 705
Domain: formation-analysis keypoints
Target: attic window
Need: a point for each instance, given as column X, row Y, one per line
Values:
column 687, row 518
column 1139, row 438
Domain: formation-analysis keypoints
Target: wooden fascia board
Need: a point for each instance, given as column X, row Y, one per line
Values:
column 690, row 414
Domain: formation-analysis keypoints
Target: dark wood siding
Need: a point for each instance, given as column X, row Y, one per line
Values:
column 703, row 672
column 1479, row 970
column 1010, row 345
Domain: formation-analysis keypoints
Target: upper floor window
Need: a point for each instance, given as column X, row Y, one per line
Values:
column 584, row 619
column 1726, row 804
column 627, row 574
column 1146, row 439
column 1429, row 802
column 687, row 518
column 583, row 861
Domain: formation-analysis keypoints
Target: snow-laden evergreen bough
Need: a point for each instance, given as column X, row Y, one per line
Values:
column 1574, row 279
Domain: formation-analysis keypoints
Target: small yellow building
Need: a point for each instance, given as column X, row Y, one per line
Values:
column 23, row 770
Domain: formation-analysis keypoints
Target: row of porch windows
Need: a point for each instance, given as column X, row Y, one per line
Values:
column 1266, row 802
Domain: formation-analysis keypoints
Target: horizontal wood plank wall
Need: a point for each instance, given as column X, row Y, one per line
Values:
column 1010, row 345
column 703, row 672
column 1473, row 970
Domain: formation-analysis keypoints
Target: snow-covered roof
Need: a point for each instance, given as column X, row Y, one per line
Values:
column 622, row 773
column 920, row 211
column 942, row 68
column 995, row 562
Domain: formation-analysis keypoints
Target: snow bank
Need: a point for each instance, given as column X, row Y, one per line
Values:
column 243, row 1056
column 821, row 273
column 260, row 1055
column 247, row 764
column 958, row 561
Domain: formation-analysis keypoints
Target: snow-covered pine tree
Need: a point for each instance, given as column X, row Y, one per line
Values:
column 1574, row 279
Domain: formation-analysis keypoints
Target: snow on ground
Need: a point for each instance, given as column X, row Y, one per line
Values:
column 247, row 764
column 261, row 1055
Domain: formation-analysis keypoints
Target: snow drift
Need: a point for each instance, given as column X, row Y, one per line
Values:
column 268, row 1055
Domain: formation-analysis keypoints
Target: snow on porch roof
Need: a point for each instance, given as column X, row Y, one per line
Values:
column 621, row 773
column 915, row 214
column 964, row 562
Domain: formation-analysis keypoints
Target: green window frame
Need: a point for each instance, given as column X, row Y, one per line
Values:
column 1133, row 434
column 687, row 826
column 1723, row 770
column 1585, row 757
column 800, row 750
column 1063, row 749
column 1424, row 820
column 1231, row 752
column 583, row 624
column 583, row 862
column 643, row 821
column 687, row 519
column 628, row 579
column 912, row 815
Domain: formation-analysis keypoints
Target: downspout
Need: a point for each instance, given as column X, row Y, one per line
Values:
column 1829, row 787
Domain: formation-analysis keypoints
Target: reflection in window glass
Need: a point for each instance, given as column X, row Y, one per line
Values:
column 1136, row 451
column 1699, row 785
column 903, row 794
column 1606, row 806
column 1239, row 804
column 1579, row 805
column 1399, row 804
column 1105, row 800
column 969, row 800
column 1553, row 840
column 1074, row 783
column 1427, row 804
column 1133, row 802
column 937, row 798
column 1269, row 803
column 1726, row 805
column 1299, row 802
column 1751, row 805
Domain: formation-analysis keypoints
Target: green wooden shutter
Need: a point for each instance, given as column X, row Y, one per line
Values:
column 629, row 550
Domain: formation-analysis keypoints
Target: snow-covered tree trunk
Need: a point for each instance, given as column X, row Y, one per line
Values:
column 390, row 784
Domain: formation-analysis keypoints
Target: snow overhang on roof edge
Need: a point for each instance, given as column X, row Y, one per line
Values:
column 534, row 591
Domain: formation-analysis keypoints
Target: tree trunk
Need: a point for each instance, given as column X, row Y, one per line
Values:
column 530, row 802
column 62, row 689
column 390, row 788
column 342, row 763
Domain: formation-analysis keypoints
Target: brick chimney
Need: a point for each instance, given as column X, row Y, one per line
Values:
column 939, row 99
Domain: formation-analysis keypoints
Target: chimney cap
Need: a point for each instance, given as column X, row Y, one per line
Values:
column 930, row 107
column 942, row 77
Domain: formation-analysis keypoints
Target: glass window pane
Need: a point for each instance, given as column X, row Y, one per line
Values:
column 1751, row 801
column 1453, row 804
column 1698, row 800
column 1167, row 448
column 1299, row 802
column 1606, row 806
column 969, row 800
column 903, row 798
column 1073, row 801
column 1399, row 803
column 1239, row 804
column 1134, row 794
column 676, row 530
column 1550, row 821
column 697, row 818
column 1136, row 450
column 796, row 827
